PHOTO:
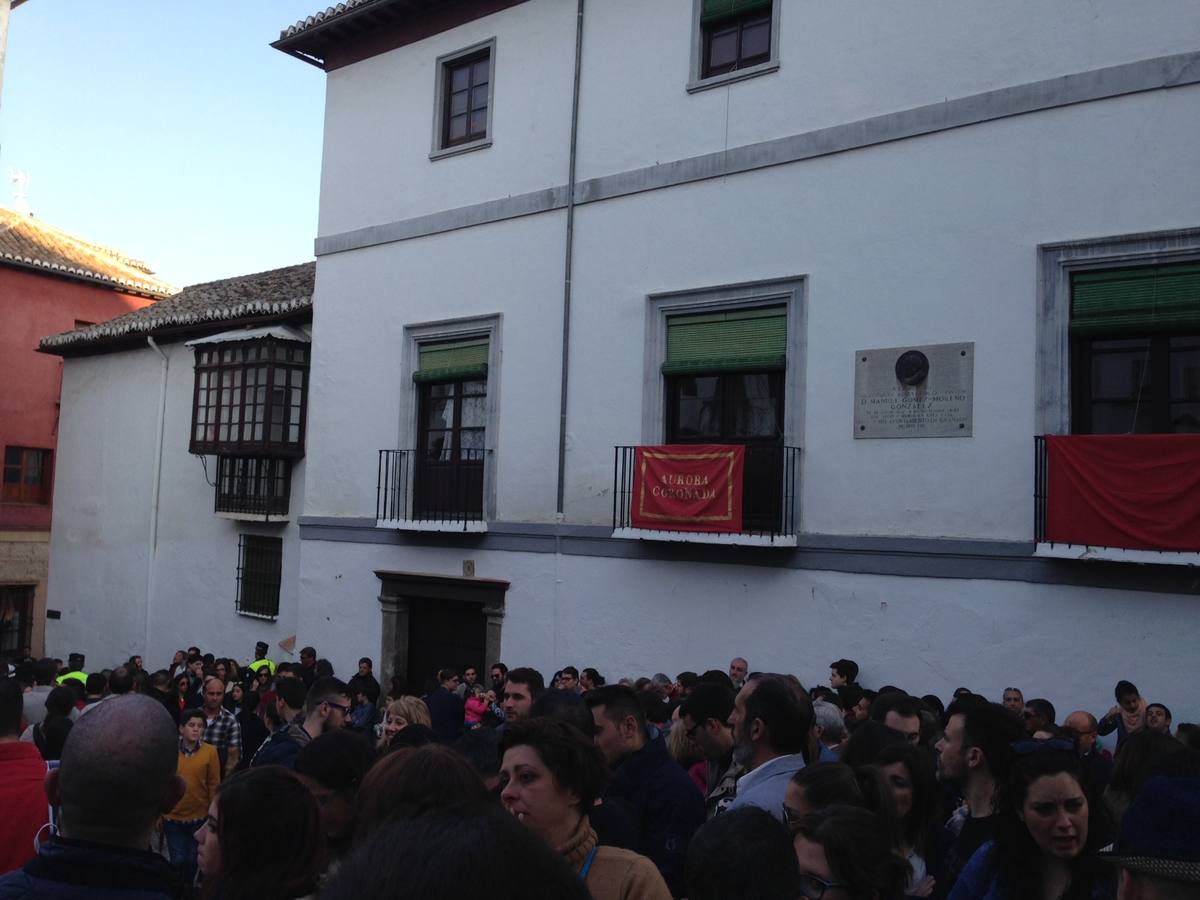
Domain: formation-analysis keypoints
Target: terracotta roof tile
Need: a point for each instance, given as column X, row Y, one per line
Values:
column 276, row 292
column 33, row 244
column 315, row 19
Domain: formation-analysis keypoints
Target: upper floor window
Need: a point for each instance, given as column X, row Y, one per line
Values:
column 26, row 476
column 1135, row 343
column 465, row 81
column 250, row 398
column 737, row 38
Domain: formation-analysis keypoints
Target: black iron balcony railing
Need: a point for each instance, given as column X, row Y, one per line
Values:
column 253, row 485
column 1039, row 489
column 433, row 487
column 770, row 491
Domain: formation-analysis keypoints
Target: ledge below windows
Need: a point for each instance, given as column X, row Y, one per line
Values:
column 1117, row 554
column 700, row 537
column 434, row 526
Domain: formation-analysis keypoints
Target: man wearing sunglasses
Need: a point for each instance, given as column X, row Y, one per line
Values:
column 705, row 718
column 326, row 708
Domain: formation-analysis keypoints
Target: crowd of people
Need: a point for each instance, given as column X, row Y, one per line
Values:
column 210, row 778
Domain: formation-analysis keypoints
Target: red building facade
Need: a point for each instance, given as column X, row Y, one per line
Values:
column 50, row 282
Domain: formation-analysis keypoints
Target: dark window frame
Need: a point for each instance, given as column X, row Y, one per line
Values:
column 21, row 491
column 259, row 576
column 672, row 384
column 739, row 25
column 21, row 599
column 1158, row 398
column 249, row 361
column 449, row 487
column 469, row 61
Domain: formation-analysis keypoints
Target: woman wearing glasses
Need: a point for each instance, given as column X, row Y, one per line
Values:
column 1046, row 836
column 846, row 853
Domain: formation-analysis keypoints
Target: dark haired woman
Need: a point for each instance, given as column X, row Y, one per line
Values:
column 908, row 771
column 1128, row 716
column 332, row 767
column 417, row 781
column 551, row 775
column 1046, row 836
column 50, row 734
column 236, row 865
column 846, row 852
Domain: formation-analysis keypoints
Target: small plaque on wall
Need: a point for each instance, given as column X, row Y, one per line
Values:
column 914, row 392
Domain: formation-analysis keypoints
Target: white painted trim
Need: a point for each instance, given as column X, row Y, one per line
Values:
column 252, row 517
column 470, row 527
column 704, row 537
column 1117, row 554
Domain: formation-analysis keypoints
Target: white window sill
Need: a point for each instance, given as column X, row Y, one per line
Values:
column 1117, row 554
column 716, row 81
column 457, row 149
column 432, row 526
column 253, row 615
column 706, row 537
column 252, row 517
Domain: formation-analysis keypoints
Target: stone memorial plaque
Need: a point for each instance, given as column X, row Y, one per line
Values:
column 914, row 392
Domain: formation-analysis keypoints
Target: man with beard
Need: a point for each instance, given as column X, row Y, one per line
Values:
column 771, row 720
column 705, row 717
column 661, row 799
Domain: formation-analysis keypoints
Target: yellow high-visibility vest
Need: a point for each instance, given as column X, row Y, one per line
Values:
column 81, row 677
column 259, row 663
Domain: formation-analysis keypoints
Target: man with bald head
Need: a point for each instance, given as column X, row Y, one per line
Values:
column 1096, row 762
column 116, row 777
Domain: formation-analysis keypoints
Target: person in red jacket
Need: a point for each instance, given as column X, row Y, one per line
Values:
column 22, row 774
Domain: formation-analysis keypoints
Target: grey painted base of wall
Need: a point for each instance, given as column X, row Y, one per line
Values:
column 895, row 556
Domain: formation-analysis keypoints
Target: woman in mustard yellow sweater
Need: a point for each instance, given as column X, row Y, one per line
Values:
column 200, row 770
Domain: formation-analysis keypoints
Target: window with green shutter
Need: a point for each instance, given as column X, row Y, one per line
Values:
column 1135, row 350
column 454, row 361
column 735, row 341
column 735, row 34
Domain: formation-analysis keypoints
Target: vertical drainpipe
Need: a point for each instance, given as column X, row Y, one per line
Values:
column 570, row 246
column 158, row 452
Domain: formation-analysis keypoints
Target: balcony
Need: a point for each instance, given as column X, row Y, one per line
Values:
column 1118, row 498
column 770, row 501
column 253, row 488
column 422, row 492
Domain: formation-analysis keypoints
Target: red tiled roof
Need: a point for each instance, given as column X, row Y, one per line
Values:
column 31, row 243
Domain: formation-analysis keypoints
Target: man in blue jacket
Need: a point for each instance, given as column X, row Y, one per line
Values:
column 664, row 803
column 116, row 777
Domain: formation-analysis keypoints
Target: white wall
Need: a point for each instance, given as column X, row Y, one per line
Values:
column 379, row 122
column 100, row 537
column 638, row 617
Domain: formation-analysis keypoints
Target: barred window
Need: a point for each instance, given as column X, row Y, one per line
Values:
column 253, row 485
column 260, row 565
column 250, row 398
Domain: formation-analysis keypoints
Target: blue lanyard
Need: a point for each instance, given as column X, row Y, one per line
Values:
column 587, row 864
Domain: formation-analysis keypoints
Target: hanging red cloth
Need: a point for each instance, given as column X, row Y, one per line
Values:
column 1134, row 491
column 688, row 487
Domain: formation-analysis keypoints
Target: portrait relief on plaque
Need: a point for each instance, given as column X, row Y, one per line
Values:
column 914, row 392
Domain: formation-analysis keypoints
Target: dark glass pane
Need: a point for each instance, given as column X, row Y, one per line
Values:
column 438, row 445
column 474, row 388
column 756, row 40
column 1121, row 418
column 474, row 412
column 441, row 390
column 458, row 103
column 479, row 122
column 698, row 413
column 458, row 128
column 754, row 405
column 479, row 72
column 12, row 456
column 1120, row 375
column 439, row 414
column 459, row 78
column 1185, row 370
column 722, row 49
column 1185, row 418
column 479, row 97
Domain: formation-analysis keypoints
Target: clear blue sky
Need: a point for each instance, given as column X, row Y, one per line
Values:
column 167, row 129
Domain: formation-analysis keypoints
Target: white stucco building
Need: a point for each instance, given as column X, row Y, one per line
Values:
column 549, row 229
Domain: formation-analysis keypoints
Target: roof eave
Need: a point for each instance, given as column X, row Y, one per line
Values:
column 72, row 274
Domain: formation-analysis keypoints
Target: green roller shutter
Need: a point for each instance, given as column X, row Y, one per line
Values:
column 741, row 341
column 453, row 362
column 715, row 10
column 1146, row 298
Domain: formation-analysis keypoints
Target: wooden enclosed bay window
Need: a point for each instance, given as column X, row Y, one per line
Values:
column 250, row 398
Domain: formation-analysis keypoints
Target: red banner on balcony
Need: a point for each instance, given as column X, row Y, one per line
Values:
column 688, row 487
column 1135, row 491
